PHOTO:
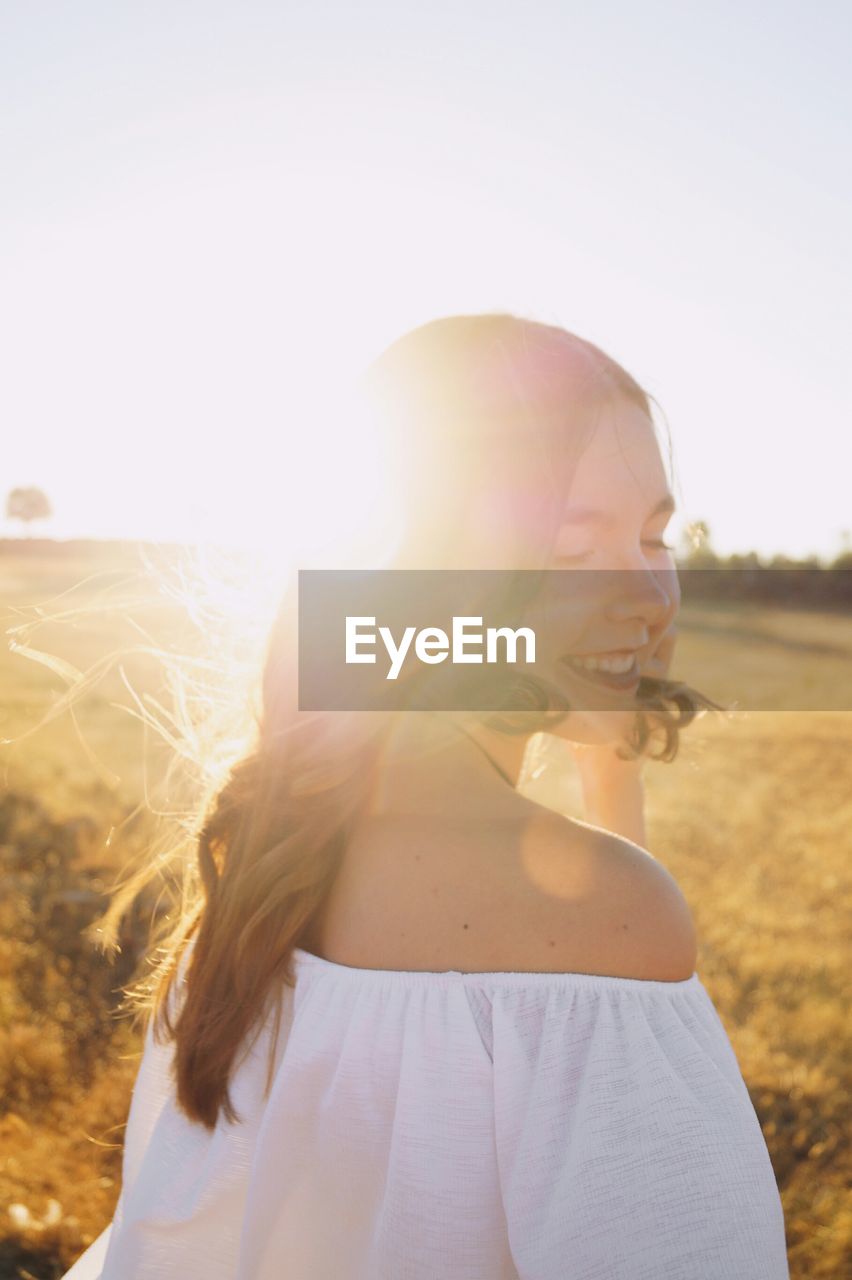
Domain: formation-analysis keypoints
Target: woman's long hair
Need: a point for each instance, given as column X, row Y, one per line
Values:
column 467, row 402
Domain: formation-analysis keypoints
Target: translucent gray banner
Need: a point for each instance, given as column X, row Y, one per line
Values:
column 495, row 640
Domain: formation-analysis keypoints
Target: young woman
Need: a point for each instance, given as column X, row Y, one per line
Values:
column 415, row 1024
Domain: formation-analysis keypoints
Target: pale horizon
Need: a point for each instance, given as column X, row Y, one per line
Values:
column 209, row 214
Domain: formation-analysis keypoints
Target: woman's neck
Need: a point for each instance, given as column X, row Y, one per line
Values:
column 441, row 765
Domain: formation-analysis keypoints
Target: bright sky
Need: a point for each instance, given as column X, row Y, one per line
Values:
column 210, row 210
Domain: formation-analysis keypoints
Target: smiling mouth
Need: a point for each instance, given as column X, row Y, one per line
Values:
column 614, row 674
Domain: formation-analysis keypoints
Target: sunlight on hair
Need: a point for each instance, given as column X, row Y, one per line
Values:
column 174, row 636
column 173, row 639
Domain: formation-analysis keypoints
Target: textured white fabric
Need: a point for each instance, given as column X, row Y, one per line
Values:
column 458, row 1126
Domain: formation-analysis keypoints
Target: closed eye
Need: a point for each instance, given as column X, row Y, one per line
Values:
column 656, row 542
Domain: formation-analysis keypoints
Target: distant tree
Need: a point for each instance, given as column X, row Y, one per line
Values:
column 843, row 559
column 696, row 550
column 28, row 504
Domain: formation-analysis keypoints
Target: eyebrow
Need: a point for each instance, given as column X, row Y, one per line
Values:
column 585, row 515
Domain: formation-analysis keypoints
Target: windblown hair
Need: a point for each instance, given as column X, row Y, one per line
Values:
column 476, row 400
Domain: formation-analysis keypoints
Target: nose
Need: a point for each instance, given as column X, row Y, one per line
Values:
column 650, row 595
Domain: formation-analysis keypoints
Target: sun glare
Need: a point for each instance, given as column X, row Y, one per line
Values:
column 325, row 496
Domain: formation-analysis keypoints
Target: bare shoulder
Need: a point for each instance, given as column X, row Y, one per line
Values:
column 613, row 908
column 545, row 893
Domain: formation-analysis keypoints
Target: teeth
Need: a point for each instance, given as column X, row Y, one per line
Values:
column 616, row 666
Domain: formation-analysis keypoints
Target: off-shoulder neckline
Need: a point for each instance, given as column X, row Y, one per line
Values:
column 307, row 960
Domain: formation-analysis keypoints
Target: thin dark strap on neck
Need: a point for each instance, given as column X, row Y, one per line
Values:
column 490, row 759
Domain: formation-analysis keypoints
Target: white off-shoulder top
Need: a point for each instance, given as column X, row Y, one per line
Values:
column 457, row 1126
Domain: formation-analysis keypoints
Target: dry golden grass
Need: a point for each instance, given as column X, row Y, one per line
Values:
column 752, row 819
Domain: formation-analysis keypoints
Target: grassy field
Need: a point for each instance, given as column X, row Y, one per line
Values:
column 752, row 819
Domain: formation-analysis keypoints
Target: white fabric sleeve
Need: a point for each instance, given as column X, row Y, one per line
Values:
column 628, row 1146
